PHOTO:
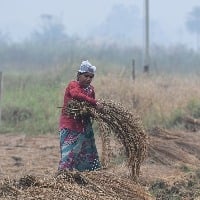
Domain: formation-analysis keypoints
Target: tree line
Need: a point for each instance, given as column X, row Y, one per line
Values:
column 50, row 46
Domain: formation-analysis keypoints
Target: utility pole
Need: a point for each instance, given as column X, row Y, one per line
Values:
column 146, row 33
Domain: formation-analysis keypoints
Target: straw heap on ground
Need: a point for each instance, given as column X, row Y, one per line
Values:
column 115, row 119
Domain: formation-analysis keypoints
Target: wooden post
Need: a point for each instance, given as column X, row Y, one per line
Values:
column 133, row 69
column 1, row 86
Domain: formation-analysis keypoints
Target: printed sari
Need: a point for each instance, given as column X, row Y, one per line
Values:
column 78, row 150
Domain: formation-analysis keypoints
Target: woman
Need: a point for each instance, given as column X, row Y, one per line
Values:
column 77, row 143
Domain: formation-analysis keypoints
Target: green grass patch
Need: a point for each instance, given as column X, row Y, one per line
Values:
column 31, row 108
column 193, row 108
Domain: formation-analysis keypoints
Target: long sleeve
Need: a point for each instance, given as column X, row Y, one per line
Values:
column 77, row 92
column 74, row 91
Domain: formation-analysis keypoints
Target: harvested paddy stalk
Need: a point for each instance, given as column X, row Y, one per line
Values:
column 70, row 185
column 115, row 118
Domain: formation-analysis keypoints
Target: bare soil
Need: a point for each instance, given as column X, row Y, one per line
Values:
column 173, row 161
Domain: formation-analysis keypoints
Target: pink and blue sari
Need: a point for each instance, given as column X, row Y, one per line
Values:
column 78, row 150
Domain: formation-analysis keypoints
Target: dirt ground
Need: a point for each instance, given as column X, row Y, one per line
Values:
column 170, row 155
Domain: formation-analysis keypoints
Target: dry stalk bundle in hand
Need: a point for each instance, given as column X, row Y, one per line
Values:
column 115, row 118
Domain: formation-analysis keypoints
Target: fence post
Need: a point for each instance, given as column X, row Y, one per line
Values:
column 133, row 69
column 1, row 88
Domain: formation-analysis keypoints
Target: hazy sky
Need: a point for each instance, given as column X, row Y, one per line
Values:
column 20, row 17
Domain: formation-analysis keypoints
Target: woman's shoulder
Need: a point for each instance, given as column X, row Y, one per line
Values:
column 73, row 83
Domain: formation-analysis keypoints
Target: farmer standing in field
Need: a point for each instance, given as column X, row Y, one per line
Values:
column 77, row 142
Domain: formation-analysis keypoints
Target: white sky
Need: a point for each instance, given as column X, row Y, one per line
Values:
column 20, row 17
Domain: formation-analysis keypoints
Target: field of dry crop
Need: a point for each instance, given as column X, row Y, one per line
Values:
column 29, row 163
column 171, row 170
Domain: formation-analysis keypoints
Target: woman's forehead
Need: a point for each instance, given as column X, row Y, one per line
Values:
column 88, row 73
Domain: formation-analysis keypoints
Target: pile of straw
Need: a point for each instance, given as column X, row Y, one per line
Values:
column 115, row 118
column 96, row 185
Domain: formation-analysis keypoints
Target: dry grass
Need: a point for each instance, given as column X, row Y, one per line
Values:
column 97, row 185
column 115, row 118
column 37, row 157
column 152, row 96
column 168, row 151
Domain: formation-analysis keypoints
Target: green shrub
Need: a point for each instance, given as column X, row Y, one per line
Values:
column 194, row 108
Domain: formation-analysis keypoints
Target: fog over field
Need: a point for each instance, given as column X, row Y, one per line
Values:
column 102, row 19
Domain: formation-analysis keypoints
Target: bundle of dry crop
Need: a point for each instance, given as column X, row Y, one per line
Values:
column 96, row 185
column 115, row 118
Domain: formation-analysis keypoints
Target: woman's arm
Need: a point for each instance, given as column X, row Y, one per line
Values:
column 76, row 92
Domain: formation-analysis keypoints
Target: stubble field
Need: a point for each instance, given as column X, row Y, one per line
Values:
column 169, row 108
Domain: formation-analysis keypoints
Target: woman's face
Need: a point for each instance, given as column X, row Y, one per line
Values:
column 85, row 79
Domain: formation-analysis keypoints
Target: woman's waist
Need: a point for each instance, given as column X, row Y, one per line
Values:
column 73, row 124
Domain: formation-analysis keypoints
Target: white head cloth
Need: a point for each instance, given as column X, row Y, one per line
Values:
column 87, row 67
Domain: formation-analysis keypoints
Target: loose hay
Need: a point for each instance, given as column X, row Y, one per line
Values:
column 97, row 185
column 115, row 118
